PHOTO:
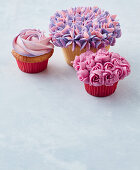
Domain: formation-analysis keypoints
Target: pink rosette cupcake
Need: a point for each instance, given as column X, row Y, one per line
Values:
column 32, row 49
column 101, row 71
column 77, row 30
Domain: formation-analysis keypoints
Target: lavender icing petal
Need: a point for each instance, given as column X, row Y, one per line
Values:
column 63, row 42
column 78, row 43
column 97, row 44
column 77, row 37
column 68, row 43
column 59, row 43
column 56, row 43
column 73, row 46
column 88, row 46
column 83, row 45
column 93, row 44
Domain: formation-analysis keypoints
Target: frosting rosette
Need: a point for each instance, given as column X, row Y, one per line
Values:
column 83, row 75
column 84, row 26
column 101, row 68
column 32, row 43
column 96, row 77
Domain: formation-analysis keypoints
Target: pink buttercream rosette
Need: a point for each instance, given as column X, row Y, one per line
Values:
column 32, row 43
column 101, row 71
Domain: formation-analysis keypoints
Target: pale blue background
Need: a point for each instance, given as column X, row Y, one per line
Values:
column 47, row 120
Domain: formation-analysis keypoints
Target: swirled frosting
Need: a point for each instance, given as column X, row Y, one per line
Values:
column 32, row 43
column 85, row 27
column 101, row 68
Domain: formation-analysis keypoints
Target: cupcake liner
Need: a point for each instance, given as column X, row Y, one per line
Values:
column 32, row 67
column 70, row 55
column 101, row 91
column 32, row 64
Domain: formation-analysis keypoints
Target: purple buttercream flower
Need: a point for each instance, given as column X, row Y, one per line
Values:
column 84, row 26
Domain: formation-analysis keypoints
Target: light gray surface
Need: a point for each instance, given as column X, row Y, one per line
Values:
column 47, row 120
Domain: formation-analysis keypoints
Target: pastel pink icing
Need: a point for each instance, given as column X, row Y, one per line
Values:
column 32, row 43
column 101, row 68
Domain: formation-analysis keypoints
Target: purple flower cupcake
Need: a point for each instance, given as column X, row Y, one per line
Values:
column 79, row 29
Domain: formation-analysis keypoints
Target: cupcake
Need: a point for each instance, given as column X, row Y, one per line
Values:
column 79, row 29
column 101, row 71
column 32, row 49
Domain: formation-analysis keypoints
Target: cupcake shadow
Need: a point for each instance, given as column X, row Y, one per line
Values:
column 58, row 73
column 126, row 95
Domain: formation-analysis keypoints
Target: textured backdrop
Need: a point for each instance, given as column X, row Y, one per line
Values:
column 47, row 120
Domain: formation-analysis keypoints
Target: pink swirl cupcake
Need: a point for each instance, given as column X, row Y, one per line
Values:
column 32, row 49
column 79, row 29
column 101, row 71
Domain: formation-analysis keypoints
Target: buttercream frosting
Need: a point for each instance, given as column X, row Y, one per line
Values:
column 84, row 26
column 32, row 43
column 101, row 68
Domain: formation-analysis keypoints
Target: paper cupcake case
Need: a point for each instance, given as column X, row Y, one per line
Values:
column 32, row 67
column 32, row 64
column 101, row 91
column 70, row 55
